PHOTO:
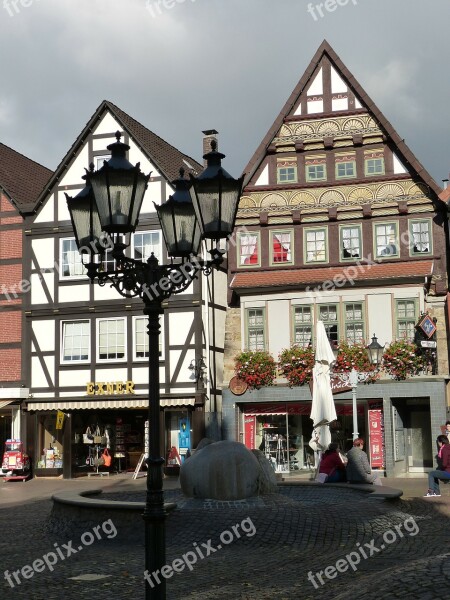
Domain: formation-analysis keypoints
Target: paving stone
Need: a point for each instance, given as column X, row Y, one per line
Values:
column 300, row 531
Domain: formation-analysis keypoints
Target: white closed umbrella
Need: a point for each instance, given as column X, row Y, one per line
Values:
column 323, row 410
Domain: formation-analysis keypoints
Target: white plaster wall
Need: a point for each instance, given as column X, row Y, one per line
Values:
column 44, row 332
column 316, row 87
column 63, row 211
column 105, row 293
column 73, row 175
column 38, row 378
column 37, row 291
column 380, row 310
column 278, row 314
column 74, row 377
column 43, row 249
column 179, row 326
column 74, row 293
column 152, row 194
column 140, row 375
column 111, row 374
column 263, row 179
column 47, row 212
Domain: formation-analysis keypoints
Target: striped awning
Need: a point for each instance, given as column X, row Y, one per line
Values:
column 4, row 403
column 106, row 404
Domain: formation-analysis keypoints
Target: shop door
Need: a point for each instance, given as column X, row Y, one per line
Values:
column 399, row 435
column 420, row 444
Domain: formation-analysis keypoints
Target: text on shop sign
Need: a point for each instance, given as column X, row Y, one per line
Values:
column 102, row 388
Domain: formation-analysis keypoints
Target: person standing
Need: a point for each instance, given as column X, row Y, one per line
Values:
column 444, row 467
column 358, row 467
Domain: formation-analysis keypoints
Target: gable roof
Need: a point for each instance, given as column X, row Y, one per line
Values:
column 405, row 154
column 21, row 178
column 166, row 158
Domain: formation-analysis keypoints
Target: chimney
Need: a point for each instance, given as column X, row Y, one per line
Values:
column 208, row 136
column 445, row 182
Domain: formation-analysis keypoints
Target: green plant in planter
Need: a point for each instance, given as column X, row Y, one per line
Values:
column 296, row 364
column 257, row 368
column 401, row 360
column 354, row 356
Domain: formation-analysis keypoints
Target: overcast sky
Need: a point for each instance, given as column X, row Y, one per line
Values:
column 181, row 66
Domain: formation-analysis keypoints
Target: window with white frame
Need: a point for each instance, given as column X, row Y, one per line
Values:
column 316, row 245
column 70, row 258
column 146, row 242
column 350, row 242
column 316, row 172
column 141, row 339
column 281, row 245
column 406, row 319
column 303, row 325
column 76, row 340
column 386, row 240
column 108, row 263
column 287, row 174
column 111, row 339
column 248, row 249
column 420, row 236
column 345, row 169
column 99, row 160
column 354, row 322
column 328, row 313
column 374, row 166
column 255, row 329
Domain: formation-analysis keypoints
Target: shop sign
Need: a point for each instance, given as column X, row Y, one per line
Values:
column 237, row 386
column 101, row 388
column 376, row 443
column 59, row 419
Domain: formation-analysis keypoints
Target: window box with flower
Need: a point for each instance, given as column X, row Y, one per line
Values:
column 354, row 356
column 401, row 360
column 257, row 368
column 296, row 364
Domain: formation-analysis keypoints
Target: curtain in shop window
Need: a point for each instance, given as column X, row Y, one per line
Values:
column 282, row 247
column 249, row 250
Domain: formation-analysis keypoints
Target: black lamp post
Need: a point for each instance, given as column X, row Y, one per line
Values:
column 113, row 197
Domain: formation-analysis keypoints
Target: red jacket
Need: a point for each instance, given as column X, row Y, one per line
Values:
column 445, row 457
column 331, row 462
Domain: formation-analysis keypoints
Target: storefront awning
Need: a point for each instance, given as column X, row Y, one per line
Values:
column 295, row 408
column 106, row 404
column 4, row 403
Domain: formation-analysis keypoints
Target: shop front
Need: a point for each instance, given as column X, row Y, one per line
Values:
column 283, row 431
column 10, row 413
column 399, row 420
column 69, row 438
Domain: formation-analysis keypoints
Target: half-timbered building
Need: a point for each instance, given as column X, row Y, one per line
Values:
column 343, row 225
column 87, row 347
column 21, row 180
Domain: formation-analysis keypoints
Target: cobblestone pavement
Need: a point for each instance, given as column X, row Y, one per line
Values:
column 398, row 549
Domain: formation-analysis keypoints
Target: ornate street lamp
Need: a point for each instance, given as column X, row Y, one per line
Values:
column 118, row 189
column 353, row 377
column 375, row 351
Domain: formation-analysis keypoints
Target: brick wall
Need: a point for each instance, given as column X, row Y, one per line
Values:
column 10, row 276
column 10, row 364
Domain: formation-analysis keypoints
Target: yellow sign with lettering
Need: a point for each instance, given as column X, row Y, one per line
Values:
column 110, row 388
column 59, row 419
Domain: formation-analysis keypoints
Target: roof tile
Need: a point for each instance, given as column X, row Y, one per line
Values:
column 338, row 275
